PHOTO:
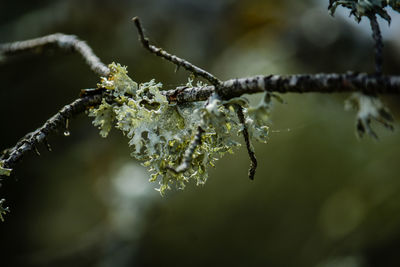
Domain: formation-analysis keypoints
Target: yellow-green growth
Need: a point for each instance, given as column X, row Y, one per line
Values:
column 4, row 171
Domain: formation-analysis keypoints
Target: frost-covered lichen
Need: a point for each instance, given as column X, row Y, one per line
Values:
column 160, row 132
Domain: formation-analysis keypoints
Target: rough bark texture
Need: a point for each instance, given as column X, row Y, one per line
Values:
column 300, row 83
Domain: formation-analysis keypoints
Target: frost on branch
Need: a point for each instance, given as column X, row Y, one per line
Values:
column 161, row 132
column 368, row 108
column 360, row 8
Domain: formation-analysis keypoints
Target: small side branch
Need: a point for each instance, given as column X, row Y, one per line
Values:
column 188, row 156
column 250, row 150
column 179, row 62
column 377, row 36
column 299, row 83
column 30, row 141
column 60, row 40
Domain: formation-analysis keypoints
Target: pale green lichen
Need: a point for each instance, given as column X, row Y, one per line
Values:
column 256, row 118
column 160, row 132
column 4, row 171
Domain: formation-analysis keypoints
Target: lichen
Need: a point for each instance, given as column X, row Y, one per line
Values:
column 369, row 108
column 4, row 171
column 161, row 132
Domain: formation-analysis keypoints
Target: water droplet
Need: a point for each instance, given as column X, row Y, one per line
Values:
column 67, row 133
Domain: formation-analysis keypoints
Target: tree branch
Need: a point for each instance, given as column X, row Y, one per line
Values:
column 62, row 41
column 321, row 83
column 31, row 140
column 174, row 59
column 369, row 107
column 299, row 83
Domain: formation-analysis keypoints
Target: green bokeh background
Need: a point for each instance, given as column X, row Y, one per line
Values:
column 321, row 197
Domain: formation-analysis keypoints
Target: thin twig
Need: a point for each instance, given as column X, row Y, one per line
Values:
column 68, row 42
column 250, row 149
column 300, row 83
column 188, row 156
column 31, row 140
column 377, row 36
column 174, row 59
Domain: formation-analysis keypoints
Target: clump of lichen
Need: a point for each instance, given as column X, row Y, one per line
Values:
column 161, row 132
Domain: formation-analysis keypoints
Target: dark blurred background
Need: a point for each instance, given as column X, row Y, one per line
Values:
column 321, row 197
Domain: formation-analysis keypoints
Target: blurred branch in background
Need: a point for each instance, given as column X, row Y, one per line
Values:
column 63, row 41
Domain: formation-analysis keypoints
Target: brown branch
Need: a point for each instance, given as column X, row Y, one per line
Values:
column 31, row 140
column 63, row 41
column 377, row 36
column 174, row 59
column 250, row 149
column 300, row 83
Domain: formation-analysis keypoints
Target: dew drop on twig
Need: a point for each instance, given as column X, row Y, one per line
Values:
column 66, row 132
